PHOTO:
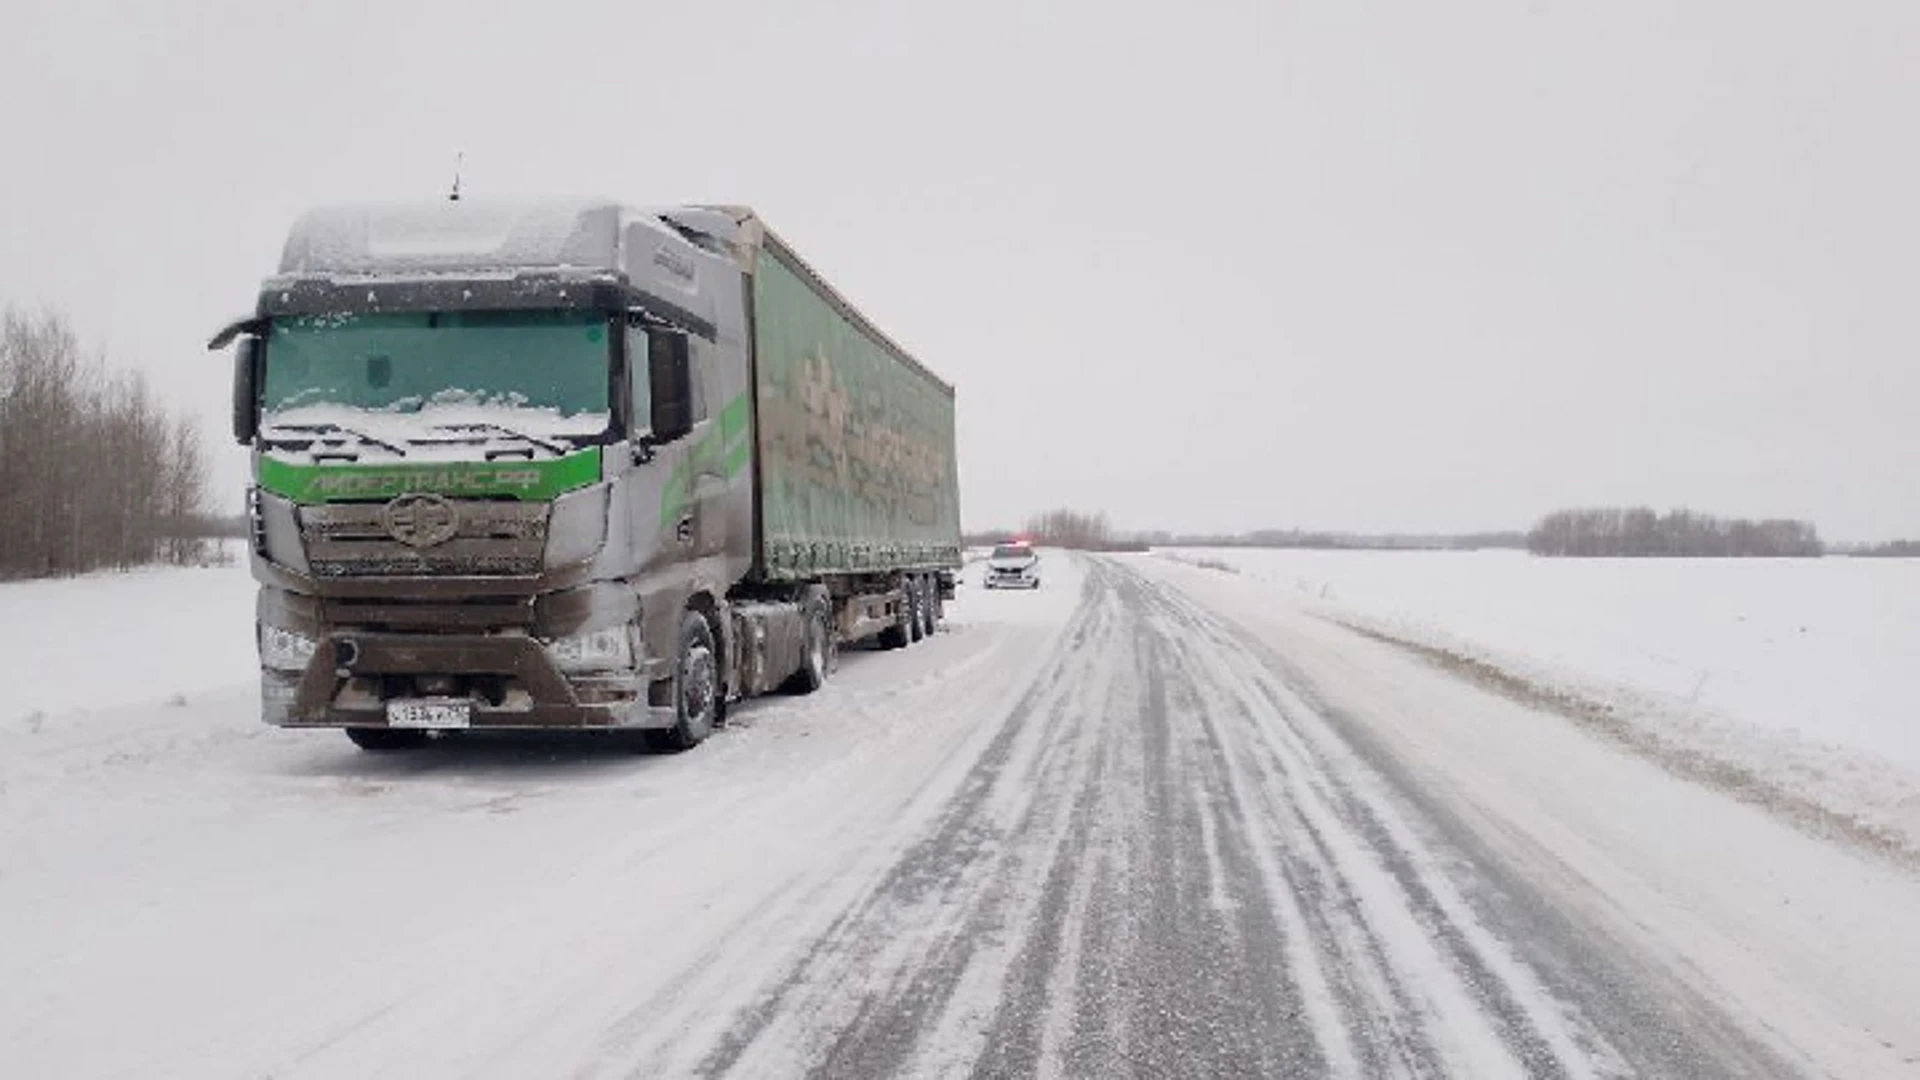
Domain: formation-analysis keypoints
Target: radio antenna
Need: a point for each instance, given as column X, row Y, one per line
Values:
column 458, row 158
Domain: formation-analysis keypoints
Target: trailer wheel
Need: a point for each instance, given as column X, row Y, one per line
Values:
column 696, row 688
column 929, row 606
column 381, row 739
column 900, row 634
column 916, row 608
column 821, row 650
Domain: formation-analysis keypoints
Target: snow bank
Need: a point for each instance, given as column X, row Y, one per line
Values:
column 1805, row 671
column 119, row 638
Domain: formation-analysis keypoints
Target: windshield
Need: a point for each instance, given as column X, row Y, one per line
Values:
column 1007, row 551
column 543, row 369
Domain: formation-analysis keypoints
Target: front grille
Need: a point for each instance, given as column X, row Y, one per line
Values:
column 491, row 537
column 472, row 615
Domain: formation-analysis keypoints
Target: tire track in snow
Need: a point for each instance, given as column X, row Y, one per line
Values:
column 1616, row 1012
column 909, row 940
column 1631, row 1008
column 1376, row 924
column 1196, row 951
column 1173, row 860
column 1307, row 896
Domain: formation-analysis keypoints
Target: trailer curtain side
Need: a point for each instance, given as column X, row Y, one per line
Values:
column 854, row 439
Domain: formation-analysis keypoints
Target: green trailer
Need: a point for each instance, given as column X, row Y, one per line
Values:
column 857, row 472
column 575, row 465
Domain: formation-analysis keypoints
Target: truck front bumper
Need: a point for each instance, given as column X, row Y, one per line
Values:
column 507, row 680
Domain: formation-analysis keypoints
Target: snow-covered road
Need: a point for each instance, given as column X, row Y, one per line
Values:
column 1149, row 821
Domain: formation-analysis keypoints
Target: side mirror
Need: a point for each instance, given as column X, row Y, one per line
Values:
column 246, row 390
column 670, row 375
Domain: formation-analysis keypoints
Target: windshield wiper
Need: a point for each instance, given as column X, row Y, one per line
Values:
column 318, row 430
column 553, row 448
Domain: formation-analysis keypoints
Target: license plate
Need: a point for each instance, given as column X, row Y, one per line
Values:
column 429, row 714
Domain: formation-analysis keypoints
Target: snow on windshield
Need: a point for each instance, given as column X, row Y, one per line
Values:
column 452, row 427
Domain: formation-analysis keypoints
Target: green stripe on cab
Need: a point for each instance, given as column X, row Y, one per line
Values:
column 529, row 481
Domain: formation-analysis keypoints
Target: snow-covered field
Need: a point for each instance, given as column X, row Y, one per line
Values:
column 1150, row 820
column 167, row 632
column 1802, row 672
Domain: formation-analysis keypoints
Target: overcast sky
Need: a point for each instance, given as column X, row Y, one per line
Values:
column 1205, row 266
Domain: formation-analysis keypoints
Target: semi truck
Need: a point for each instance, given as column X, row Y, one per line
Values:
column 571, row 464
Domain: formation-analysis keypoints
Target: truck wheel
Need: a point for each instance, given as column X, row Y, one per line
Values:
column 820, row 649
column 379, row 738
column 696, row 688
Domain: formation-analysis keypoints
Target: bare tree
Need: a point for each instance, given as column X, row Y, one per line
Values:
column 1070, row 529
column 185, row 487
column 93, row 471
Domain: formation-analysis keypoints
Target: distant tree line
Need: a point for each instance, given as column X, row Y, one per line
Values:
column 987, row 537
column 1638, row 531
column 1071, row 529
column 1602, row 531
column 94, row 472
column 1060, row 528
column 1892, row 549
column 1067, row 528
column 1340, row 541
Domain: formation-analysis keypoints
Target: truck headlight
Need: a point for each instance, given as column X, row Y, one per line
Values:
column 284, row 650
column 597, row 650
